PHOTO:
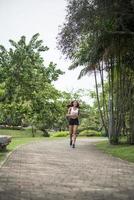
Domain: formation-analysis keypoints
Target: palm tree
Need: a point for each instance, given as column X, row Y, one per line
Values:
column 98, row 35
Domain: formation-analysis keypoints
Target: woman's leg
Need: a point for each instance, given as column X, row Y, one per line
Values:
column 75, row 127
column 71, row 133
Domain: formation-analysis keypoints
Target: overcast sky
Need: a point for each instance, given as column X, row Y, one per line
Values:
column 27, row 17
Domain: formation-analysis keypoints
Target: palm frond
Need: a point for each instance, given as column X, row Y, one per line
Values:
column 73, row 66
column 85, row 71
column 33, row 39
column 13, row 43
column 2, row 48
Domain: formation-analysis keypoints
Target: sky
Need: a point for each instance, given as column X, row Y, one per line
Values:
column 27, row 17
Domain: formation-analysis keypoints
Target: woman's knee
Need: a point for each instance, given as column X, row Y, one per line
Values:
column 74, row 134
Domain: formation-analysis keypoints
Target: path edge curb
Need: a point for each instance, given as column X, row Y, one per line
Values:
column 10, row 153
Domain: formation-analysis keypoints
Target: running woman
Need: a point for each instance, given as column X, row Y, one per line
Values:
column 73, row 115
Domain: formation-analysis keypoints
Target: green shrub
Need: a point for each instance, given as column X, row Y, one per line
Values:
column 104, row 134
column 60, row 134
column 89, row 133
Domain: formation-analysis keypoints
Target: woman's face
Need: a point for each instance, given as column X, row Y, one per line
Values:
column 75, row 103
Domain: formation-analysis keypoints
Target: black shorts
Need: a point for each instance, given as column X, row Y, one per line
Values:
column 73, row 121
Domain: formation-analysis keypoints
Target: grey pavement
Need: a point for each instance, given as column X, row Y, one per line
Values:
column 51, row 170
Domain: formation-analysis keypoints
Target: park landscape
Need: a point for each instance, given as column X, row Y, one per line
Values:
column 97, row 37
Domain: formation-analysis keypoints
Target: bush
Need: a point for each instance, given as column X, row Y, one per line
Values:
column 89, row 133
column 104, row 134
column 60, row 134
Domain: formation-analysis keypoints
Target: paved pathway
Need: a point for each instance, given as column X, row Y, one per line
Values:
column 51, row 170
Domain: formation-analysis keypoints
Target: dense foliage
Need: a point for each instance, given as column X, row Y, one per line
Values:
column 98, row 36
column 27, row 95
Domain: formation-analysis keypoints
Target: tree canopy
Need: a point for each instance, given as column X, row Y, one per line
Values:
column 27, row 94
column 98, row 36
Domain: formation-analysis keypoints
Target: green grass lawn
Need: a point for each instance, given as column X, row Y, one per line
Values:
column 123, row 151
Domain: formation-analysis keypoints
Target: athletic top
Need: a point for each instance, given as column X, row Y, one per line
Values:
column 74, row 111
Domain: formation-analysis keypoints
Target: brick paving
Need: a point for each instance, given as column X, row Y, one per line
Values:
column 51, row 170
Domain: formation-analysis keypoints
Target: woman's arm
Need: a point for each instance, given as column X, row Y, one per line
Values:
column 68, row 113
column 69, row 110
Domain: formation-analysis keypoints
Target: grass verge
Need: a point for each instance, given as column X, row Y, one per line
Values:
column 123, row 151
column 60, row 134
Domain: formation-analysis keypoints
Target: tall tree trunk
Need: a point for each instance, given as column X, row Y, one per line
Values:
column 98, row 100
column 105, row 108
column 113, row 137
